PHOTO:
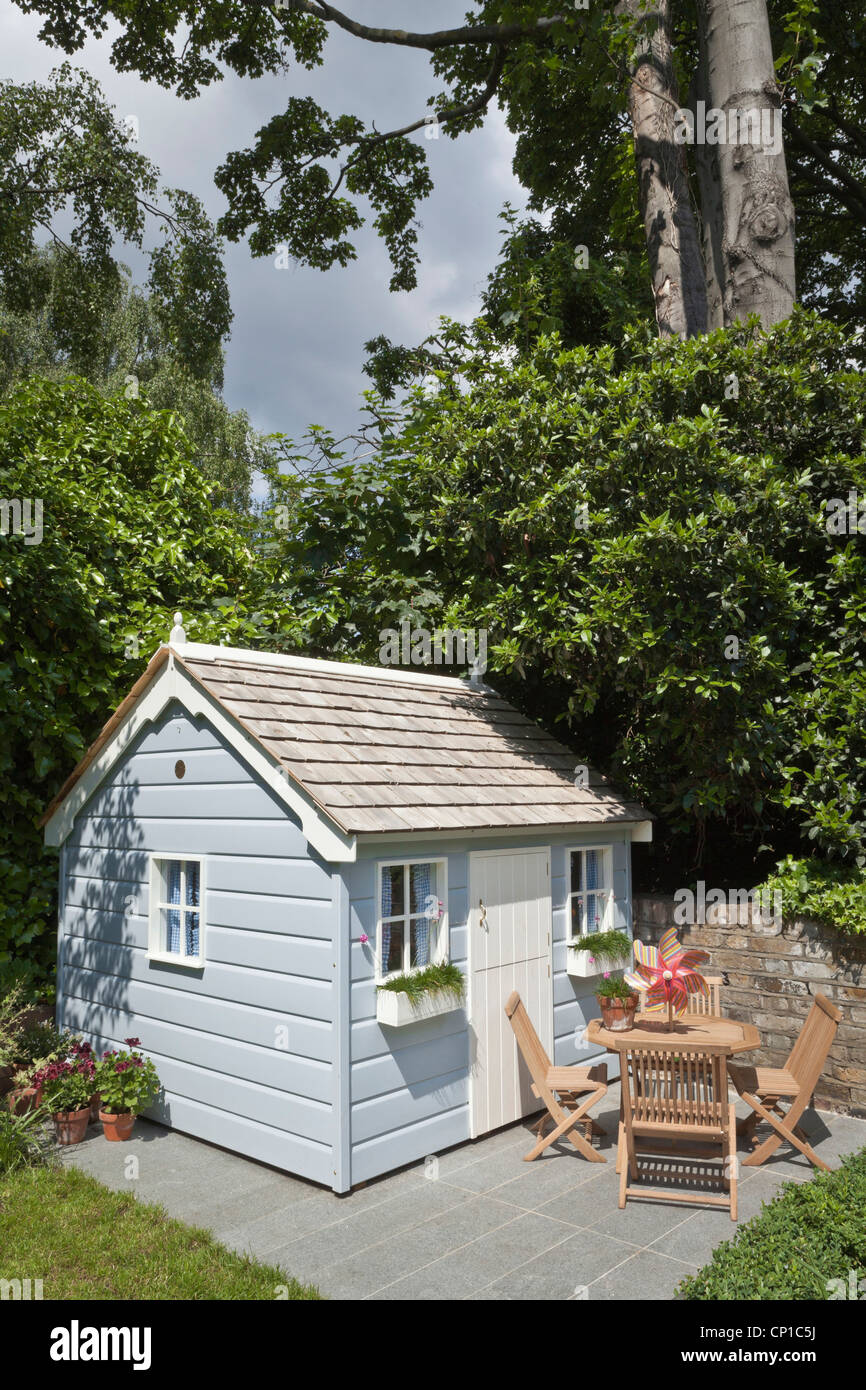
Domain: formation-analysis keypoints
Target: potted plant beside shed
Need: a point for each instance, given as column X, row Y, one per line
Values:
column 437, row 989
column 597, row 953
column 127, row 1082
column 618, row 1003
column 66, row 1088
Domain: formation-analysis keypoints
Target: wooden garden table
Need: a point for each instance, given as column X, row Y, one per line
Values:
column 692, row 1031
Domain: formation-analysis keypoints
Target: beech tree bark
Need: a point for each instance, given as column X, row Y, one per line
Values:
column 750, row 251
column 673, row 247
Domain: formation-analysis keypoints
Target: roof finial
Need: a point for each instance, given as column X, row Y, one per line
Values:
column 177, row 634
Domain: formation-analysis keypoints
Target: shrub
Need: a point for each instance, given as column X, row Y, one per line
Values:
column 652, row 557
column 129, row 533
column 23, row 1140
column 810, row 1234
column 826, row 891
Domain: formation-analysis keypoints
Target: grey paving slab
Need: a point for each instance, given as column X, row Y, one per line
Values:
column 564, row 1273
column 377, row 1266
column 474, row 1266
column 542, row 1180
column 331, row 1243
column 487, row 1226
column 647, row 1275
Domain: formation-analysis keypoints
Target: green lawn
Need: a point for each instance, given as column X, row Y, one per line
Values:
column 87, row 1242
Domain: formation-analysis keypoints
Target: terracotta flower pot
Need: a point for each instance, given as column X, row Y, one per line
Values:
column 70, row 1126
column 24, row 1099
column 617, row 1015
column 117, row 1128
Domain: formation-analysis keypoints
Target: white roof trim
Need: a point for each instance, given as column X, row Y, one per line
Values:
column 202, row 651
column 639, row 831
column 172, row 683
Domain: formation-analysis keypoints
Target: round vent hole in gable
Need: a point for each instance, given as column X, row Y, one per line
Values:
column 180, row 768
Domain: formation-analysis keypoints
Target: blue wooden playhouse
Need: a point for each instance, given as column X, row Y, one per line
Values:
column 255, row 841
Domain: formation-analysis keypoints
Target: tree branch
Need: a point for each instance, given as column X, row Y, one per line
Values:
column 856, row 199
column 442, row 38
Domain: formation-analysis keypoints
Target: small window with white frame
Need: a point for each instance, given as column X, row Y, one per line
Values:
column 176, row 909
column 412, row 927
column 590, row 890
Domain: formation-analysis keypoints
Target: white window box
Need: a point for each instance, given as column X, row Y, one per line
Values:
column 395, row 1009
column 582, row 966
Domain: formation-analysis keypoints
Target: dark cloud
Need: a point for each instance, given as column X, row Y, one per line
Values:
column 296, row 350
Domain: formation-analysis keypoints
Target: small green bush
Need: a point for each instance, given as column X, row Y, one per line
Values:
column 827, row 891
column 810, row 1234
column 24, row 1141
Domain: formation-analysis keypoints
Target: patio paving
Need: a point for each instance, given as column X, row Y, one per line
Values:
column 479, row 1223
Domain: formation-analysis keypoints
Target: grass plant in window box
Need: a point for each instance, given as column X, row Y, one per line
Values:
column 598, row 952
column 618, row 1003
column 127, row 1083
column 419, row 994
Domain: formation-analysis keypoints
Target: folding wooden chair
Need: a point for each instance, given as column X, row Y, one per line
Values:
column 764, row 1087
column 560, row 1088
column 697, row 1004
column 675, row 1105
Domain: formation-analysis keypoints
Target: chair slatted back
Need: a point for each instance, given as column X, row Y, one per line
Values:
column 531, row 1047
column 809, row 1053
column 669, row 1087
column 699, row 1005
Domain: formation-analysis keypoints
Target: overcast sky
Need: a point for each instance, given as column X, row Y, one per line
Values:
column 296, row 349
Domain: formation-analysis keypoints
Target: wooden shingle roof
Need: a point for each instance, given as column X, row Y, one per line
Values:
column 386, row 751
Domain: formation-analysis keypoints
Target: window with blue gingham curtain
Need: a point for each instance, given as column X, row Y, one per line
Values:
column 386, row 912
column 191, row 919
column 421, row 889
column 173, row 918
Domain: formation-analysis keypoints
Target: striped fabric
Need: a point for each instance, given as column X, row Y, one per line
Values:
column 421, row 875
column 192, row 900
column 173, row 934
column 386, row 912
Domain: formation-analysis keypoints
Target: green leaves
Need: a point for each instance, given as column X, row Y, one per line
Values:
column 130, row 534
column 704, row 632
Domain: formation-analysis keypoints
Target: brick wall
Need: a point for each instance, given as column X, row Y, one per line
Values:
column 773, row 970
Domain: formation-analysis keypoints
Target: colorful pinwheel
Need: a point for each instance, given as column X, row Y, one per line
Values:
column 667, row 976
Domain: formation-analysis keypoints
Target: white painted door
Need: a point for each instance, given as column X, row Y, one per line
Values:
column 509, row 948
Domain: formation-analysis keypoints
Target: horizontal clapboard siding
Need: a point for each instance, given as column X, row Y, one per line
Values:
column 259, row 1061
column 244, row 1045
column 410, row 1086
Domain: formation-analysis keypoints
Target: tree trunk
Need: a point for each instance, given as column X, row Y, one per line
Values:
column 710, row 194
column 669, row 221
column 753, row 251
